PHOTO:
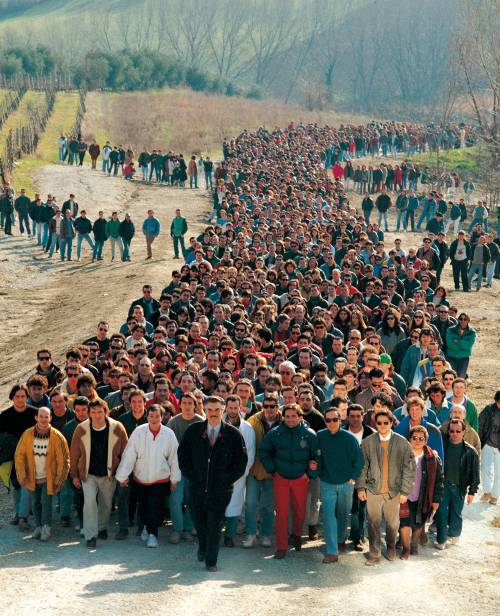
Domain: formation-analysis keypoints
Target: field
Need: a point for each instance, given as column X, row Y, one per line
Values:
column 462, row 160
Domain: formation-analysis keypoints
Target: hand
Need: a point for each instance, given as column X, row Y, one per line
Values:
column 173, row 487
column 124, row 483
column 362, row 495
column 402, row 499
column 435, row 506
column 470, row 499
column 313, row 465
column 21, row 483
column 77, row 483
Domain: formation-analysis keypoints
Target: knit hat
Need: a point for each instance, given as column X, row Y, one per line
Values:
column 385, row 359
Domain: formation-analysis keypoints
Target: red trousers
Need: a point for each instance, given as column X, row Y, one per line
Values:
column 286, row 490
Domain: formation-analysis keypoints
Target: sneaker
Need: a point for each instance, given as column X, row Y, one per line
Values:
column 249, row 541
column 144, row 535
column 211, row 568
column 152, row 542
column 92, row 543
column 454, row 540
column 485, row 498
column 37, row 533
column 330, row 558
column 313, row 532
column 175, row 537
column 371, row 561
column 265, row 542
column 188, row 536
column 297, row 542
column 45, row 535
column 441, row 546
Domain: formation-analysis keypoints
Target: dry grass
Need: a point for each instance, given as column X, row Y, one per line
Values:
column 18, row 118
column 187, row 121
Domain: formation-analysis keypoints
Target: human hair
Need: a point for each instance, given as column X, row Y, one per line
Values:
column 293, row 407
column 355, row 407
column 416, row 400
column 137, row 393
column 187, row 394
column 384, row 413
column 459, row 422
column 85, row 379
column 18, row 387
column 38, row 380
column 99, row 404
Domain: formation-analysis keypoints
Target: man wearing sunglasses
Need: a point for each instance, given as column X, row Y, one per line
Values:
column 461, row 480
column 340, row 464
column 386, row 480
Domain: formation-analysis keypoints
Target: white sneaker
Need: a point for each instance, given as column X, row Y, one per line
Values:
column 45, row 533
column 37, row 533
column 265, row 542
column 152, row 542
column 144, row 535
column 441, row 546
column 248, row 541
column 454, row 540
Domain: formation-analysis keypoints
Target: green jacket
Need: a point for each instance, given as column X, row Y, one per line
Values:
column 130, row 423
column 459, row 346
column 287, row 451
column 340, row 456
column 112, row 228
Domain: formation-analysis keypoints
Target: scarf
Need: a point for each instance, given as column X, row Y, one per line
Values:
column 431, row 465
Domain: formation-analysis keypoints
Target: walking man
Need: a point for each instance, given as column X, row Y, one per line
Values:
column 386, row 480
column 151, row 230
column 178, row 230
column 42, row 465
column 212, row 456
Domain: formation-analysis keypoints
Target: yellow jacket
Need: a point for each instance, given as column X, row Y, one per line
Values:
column 256, row 421
column 57, row 463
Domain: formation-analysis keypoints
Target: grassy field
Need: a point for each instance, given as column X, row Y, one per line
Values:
column 61, row 121
column 460, row 160
column 18, row 118
column 187, row 121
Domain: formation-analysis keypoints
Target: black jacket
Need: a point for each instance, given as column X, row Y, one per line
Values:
column 212, row 471
column 453, row 249
column 486, row 422
column 469, row 468
column 99, row 229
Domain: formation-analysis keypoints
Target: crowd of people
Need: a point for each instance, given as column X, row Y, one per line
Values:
column 296, row 377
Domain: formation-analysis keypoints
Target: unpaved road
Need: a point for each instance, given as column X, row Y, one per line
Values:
column 48, row 303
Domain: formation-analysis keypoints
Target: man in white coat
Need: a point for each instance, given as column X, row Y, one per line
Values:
column 234, row 416
column 151, row 457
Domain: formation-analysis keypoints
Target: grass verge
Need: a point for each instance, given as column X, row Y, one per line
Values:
column 463, row 161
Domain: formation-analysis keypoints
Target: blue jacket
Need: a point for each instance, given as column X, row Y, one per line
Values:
column 410, row 363
column 151, row 227
column 435, row 439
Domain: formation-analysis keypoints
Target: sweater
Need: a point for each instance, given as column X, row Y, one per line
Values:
column 340, row 457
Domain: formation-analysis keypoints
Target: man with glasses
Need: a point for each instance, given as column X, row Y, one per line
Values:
column 378, row 384
column 101, row 337
column 48, row 369
column 147, row 302
column 340, row 464
column 461, row 481
column 386, row 480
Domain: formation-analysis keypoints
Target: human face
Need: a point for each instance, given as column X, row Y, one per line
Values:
column 376, row 383
column 102, row 331
column 244, row 392
column 417, row 442
column 43, row 420
column 233, row 409
column 306, row 401
column 213, row 411
column 154, row 420
column 137, row 406
column 36, row 392
column 333, row 422
column 459, row 390
column 384, row 425
column 355, row 420
column 415, row 413
column 81, row 412
column 97, row 417
column 456, row 433
column 44, row 360
column 291, row 418
column 58, row 405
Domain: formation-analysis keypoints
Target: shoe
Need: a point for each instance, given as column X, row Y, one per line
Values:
column 405, row 555
column 441, row 546
column 391, row 554
column 358, row 545
column 249, row 541
column 102, row 534
column 454, row 540
column 414, row 550
column 341, row 547
column 228, row 542
column 147, row 258
column 485, row 498
column 330, row 558
column 297, row 542
column 313, row 532
column 493, row 500
column 144, row 535
column 211, row 568
column 175, row 537
column 265, row 542
column 121, row 534
column 201, row 556
column 91, row 543
column 23, row 524
column 45, row 535
column 14, row 521
column 372, row 561
column 65, row 522
column 152, row 542
column 188, row 536
column 37, row 533
column 279, row 554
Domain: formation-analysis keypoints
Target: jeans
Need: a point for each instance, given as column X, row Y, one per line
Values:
column 39, row 232
column 383, row 216
column 460, row 365
column 475, row 268
column 96, row 514
column 145, row 174
column 367, row 214
column 453, row 223
column 490, row 470
column 193, row 179
column 177, row 241
column 42, row 505
column 54, row 237
column 149, row 245
column 312, row 505
column 181, row 521
column 460, row 272
column 259, row 491
column 478, row 221
column 21, row 500
column 106, row 165
column 402, row 218
column 98, row 247
column 410, row 218
column 24, row 221
column 231, row 526
column 71, row 496
column 126, row 250
column 116, row 241
column 490, row 272
column 376, row 505
column 337, row 501
column 426, row 214
column 66, row 246
column 80, row 238
column 449, row 514
column 208, row 180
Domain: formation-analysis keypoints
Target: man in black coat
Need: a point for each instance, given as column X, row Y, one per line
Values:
column 212, row 456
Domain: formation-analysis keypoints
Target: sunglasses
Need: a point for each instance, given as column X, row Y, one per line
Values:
column 383, row 423
column 418, row 438
column 269, row 406
column 330, row 419
column 44, row 358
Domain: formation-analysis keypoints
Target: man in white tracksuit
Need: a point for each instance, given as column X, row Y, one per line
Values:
column 151, row 458
column 233, row 416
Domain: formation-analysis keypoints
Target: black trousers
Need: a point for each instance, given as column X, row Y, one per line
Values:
column 151, row 500
column 208, row 515
column 460, row 271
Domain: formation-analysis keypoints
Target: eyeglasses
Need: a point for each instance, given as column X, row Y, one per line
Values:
column 455, row 431
column 269, row 406
column 44, row 358
column 355, row 338
column 383, row 423
column 103, row 329
column 463, row 319
column 330, row 419
column 418, row 438
column 115, row 347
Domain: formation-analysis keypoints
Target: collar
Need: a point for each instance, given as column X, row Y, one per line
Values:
column 385, row 438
